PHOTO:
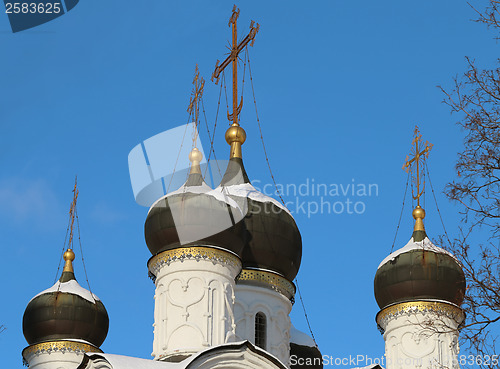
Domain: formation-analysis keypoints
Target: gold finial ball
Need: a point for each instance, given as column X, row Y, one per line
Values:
column 195, row 155
column 418, row 213
column 69, row 255
column 235, row 134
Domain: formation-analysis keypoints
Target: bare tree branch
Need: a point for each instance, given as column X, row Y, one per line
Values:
column 475, row 97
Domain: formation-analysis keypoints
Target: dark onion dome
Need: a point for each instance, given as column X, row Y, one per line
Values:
column 419, row 271
column 66, row 311
column 303, row 351
column 272, row 238
column 194, row 215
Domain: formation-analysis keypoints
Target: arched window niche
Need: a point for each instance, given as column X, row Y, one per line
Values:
column 260, row 330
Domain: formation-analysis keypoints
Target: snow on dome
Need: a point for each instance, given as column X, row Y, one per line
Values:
column 202, row 189
column 247, row 190
column 425, row 244
column 128, row 362
column 72, row 287
column 300, row 338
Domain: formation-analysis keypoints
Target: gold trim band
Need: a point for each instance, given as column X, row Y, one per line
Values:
column 196, row 253
column 412, row 307
column 62, row 346
column 268, row 279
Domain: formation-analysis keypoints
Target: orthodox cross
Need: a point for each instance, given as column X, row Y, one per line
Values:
column 198, row 85
column 233, row 58
column 419, row 153
column 72, row 212
column 193, row 108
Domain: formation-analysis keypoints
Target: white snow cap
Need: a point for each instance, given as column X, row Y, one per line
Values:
column 205, row 189
column 300, row 338
column 72, row 287
column 426, row 244
column 127, row 362
column 247, row 190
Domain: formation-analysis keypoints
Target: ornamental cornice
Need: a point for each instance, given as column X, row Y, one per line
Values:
column 268, row 280
column 197, row 253
column 442, row 308
column 59, row 346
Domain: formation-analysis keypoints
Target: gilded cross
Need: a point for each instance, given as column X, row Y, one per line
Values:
column 198, row 85
column 233, row 58
column 72, row 213
column 419, row 153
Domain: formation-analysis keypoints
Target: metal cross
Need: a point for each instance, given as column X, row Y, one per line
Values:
column 420, row 152
column 233, row 57
column 72, row 213
column 193, row 108
column 198, row 85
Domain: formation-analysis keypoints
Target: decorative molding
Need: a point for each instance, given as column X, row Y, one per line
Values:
column 269, row 280
column 413, row 307
column 193, row 302
column 419, row 344
column 59, row 346
column 198, row 253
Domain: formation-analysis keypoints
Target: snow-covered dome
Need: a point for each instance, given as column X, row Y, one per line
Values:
column 194, row 215
column 66, row 311
column 272, row 239
column 419, row 271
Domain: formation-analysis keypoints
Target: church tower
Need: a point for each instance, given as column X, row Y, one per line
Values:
column 419, row 289
column 196, row 239
column 272, row 243
column 223, row 260
column 270, row 259
column 65, row 321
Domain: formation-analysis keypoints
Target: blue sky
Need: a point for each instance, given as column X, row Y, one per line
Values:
column 340, row 86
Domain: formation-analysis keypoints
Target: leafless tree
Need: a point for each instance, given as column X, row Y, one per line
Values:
column 475, row 97
column 489, row 16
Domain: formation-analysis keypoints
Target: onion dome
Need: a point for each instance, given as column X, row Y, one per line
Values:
column 66, row 311
column 194, row 215
column 419, row 271
column 272, row 238
column 303, row 351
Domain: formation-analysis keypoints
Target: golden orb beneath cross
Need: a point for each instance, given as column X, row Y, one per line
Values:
column 418, row 213
column 235, row 134
column 195, row 155
column 69, row 255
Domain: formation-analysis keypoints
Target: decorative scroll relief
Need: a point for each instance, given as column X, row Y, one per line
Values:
column 193, row 309
column 198, row 253
column 267, row 279
column 419, row 343
column 183, row 294
column 187, row 314
column 425, row 349
column 421, row 334
column 228, row 313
